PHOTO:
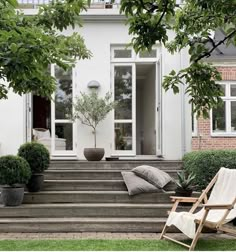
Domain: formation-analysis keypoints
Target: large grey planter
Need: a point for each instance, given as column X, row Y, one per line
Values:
column 12, row 196
column 94, row 154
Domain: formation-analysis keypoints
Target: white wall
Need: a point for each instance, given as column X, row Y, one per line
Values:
column 99, row 36
column 11, row 124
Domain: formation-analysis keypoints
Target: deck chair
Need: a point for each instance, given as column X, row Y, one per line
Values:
column 216, row 211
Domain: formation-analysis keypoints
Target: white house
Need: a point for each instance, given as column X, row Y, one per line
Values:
column 149, row 124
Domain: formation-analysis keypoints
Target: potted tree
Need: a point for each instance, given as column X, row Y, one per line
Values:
column 91, row 110
column 38, row 158
column 14, row 173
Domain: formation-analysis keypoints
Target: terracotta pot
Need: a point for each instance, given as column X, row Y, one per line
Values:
column 12, row 196
column 94, row 154
column 35, row 183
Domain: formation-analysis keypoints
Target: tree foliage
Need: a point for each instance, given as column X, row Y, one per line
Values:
column 29, row 44
column 193, row 22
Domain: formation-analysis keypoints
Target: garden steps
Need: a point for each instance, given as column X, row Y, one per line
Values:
column 80, row 196
column 57, row 225
column 67, row 210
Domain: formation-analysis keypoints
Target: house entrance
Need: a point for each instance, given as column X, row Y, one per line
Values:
column 137, row 117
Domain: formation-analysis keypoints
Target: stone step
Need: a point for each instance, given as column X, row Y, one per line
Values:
column 67, row 210
column 57, row 174
column 57, row 225
column 86, row 185
column 113, row 165
column 95, row 197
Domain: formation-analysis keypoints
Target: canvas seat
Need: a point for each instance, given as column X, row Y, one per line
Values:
column 218, row 210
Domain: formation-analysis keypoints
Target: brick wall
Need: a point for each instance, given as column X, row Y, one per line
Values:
column 205, row 141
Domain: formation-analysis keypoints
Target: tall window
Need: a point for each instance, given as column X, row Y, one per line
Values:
column 224, row 116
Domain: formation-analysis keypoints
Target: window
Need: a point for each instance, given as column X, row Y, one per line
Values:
column 147, row 54
column 122, row 53
column 224, row 116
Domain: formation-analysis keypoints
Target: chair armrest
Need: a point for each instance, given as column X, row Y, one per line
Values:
column 184, row 199
column 218, row 206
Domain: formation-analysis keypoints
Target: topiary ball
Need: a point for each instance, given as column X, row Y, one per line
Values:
column 14, row 170
column 36, row 155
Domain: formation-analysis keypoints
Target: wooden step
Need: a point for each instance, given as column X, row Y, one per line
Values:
column 86, row 185
column 87, row 210
column 95, row 197
column 57, row 225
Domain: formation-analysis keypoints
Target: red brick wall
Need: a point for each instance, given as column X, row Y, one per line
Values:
column 205, row 141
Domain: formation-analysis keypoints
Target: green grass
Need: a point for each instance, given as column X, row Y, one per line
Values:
column 111, row 245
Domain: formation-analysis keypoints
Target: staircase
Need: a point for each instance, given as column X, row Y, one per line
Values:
column 81, row 196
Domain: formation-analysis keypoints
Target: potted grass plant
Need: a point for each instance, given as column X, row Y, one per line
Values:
column 38, row 157
column 14, row 174
column 184, row 184
column 91, row 109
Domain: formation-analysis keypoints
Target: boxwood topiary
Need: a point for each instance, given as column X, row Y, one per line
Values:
column 14, row 170
column 36, row 155
column 205, row 164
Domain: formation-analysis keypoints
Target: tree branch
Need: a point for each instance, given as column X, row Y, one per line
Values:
column 208, row 53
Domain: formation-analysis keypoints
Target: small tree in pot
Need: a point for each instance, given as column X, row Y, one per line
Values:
column 91, row 110
column 14, row 173
column 38, row 158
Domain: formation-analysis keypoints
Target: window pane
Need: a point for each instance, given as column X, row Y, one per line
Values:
column 233, row 116
column 233, row 90
column 218, row 117
column 64, row 136
column 122, row 53
column 123, row 92
column 223, row 89
column 147, row 54
column 123, row 136
column 63, row 96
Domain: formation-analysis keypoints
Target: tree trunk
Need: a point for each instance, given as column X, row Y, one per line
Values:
column 95, row 139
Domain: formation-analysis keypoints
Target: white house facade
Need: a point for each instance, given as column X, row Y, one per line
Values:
column 150, row 122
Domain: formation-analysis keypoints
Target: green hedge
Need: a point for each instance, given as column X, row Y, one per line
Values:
column 205, row 164
column 14, row 170
column 36, row 155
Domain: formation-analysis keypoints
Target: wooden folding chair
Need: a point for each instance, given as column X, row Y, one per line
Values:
column 203, row 222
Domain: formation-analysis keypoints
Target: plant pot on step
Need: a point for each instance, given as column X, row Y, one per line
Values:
column 12, row 196
column 94, row 154
column 35, row 183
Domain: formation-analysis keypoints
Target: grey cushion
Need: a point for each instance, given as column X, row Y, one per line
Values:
column 136, row 185
column 153, row 175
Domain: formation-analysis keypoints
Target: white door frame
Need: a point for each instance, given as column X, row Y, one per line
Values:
column 133, row 120
column 55, row 152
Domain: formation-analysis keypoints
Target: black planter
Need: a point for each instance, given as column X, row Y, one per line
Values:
column 12, row 196
column 35, row 183
column 183, row 193
column 94, row 154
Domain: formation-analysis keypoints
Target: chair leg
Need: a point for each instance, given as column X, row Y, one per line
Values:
column 163, row 231
column 195, row 239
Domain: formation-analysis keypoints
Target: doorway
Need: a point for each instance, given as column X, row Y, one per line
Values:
column 146, row 109
column 135, row 117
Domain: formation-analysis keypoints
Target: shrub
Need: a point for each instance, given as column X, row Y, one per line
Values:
column 36, row 155
column 205, row 164
column 14, row 170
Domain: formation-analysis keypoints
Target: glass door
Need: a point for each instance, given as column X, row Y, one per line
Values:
column 63, row 129
column 124, row 114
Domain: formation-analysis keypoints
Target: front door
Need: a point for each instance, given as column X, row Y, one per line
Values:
column 124, row 114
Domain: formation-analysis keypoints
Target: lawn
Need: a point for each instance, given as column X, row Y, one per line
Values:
column 111, row 245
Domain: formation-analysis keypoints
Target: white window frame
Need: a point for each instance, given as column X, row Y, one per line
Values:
column 227, row 99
